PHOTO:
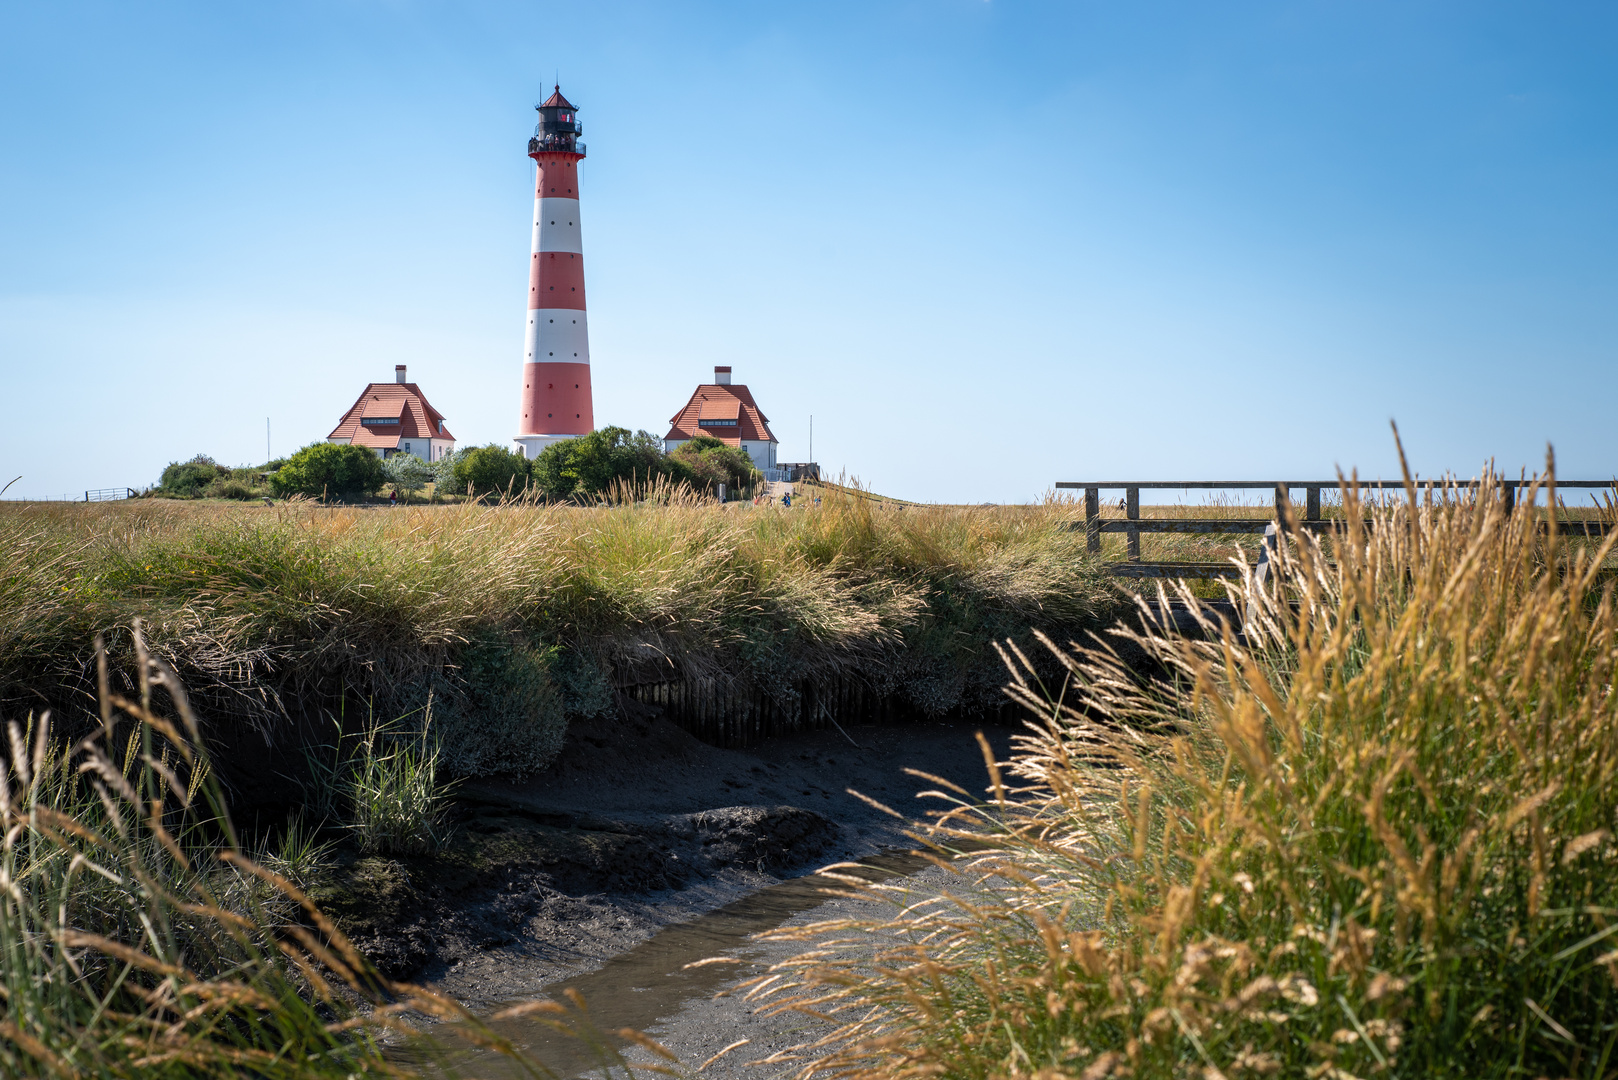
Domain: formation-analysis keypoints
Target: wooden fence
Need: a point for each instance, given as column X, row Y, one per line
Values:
column 1132, row 524
column 728, row 715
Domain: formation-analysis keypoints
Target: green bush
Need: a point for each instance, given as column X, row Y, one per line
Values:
column 710, row 462
column 330, row 469
column 506, row 714
column 228, row 487
column 188, row 479
column 591, row 464
column 488, row 470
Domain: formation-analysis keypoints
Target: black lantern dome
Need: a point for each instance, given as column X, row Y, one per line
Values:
column 558, row 129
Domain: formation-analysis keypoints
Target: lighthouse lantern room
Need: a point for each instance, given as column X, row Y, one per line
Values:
column 556, row 401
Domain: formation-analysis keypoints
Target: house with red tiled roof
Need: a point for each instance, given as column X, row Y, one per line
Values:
column 395, row 418
column 727, row 412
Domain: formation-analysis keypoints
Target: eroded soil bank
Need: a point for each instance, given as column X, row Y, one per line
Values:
column 636, row 827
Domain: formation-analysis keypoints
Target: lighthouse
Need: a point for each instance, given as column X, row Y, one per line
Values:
column 556, row 347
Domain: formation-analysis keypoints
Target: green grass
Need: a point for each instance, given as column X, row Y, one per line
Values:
column 1373, row 837
column 269, row 611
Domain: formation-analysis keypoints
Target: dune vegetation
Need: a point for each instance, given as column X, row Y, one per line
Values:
column 140, row 938
column 518, row 615
column 1371, row 834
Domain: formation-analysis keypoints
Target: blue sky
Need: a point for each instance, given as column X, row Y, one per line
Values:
column 986, row 245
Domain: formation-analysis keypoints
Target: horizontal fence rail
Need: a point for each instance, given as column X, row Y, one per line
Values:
column 1132, row 524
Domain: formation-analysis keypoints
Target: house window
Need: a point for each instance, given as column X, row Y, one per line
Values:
column 379, row 420
column 716, row 423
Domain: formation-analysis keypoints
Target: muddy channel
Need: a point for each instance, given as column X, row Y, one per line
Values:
column 641, row 851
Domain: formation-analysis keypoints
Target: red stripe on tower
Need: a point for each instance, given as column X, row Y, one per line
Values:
column 556, row 402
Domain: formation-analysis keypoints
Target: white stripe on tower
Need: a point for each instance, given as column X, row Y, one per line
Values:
column 556, row 397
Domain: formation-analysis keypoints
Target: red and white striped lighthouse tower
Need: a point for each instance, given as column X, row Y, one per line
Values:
column 556, row 348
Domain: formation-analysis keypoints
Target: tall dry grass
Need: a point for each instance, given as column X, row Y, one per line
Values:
column 139, row 939
column 1373, row 835
column 267, row 610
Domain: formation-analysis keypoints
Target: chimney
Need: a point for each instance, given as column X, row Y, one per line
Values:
column 721, row 376
column 398, row 373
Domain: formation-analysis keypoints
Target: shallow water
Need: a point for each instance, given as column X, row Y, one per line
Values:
column 650, row 982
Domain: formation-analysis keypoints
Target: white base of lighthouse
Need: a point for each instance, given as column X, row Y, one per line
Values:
column 529, row 446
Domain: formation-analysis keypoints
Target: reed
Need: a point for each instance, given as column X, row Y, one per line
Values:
column 1371, row 835
column 139, row 939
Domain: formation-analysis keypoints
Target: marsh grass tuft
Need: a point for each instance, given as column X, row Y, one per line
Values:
column 396, row 803
column 138, row 938
column 1373, row 834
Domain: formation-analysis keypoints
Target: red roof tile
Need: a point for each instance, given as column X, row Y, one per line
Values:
column 714, row 402
column 386, row 401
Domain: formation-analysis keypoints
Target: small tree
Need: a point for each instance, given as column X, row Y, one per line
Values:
column 330, row 469
column 444, row 472
column 491, row 470
column 407, row 473
column 589, row 464
column 711, row 462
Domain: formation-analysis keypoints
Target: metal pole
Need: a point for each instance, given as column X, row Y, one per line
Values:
column 267, row 458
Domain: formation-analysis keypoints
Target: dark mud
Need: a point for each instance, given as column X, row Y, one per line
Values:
column 638, row 827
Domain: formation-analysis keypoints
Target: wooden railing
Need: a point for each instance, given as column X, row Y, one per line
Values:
column 1132, row 524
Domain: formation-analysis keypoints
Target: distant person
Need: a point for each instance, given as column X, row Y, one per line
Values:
column 393, row 498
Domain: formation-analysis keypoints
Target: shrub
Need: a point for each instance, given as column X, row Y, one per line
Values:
column 1371, row 835
column 490, row 470
column 592, row 464
column 229, row 488
column 407, row 473
column 187, row 479
column 710, row 463
column 506, row 714
column 330, row 469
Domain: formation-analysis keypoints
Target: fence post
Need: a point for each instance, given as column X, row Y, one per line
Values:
column 1511, row 495
column 1092, row 520
column 1280, row 504
column 1132, row 511
column 1312, row 512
